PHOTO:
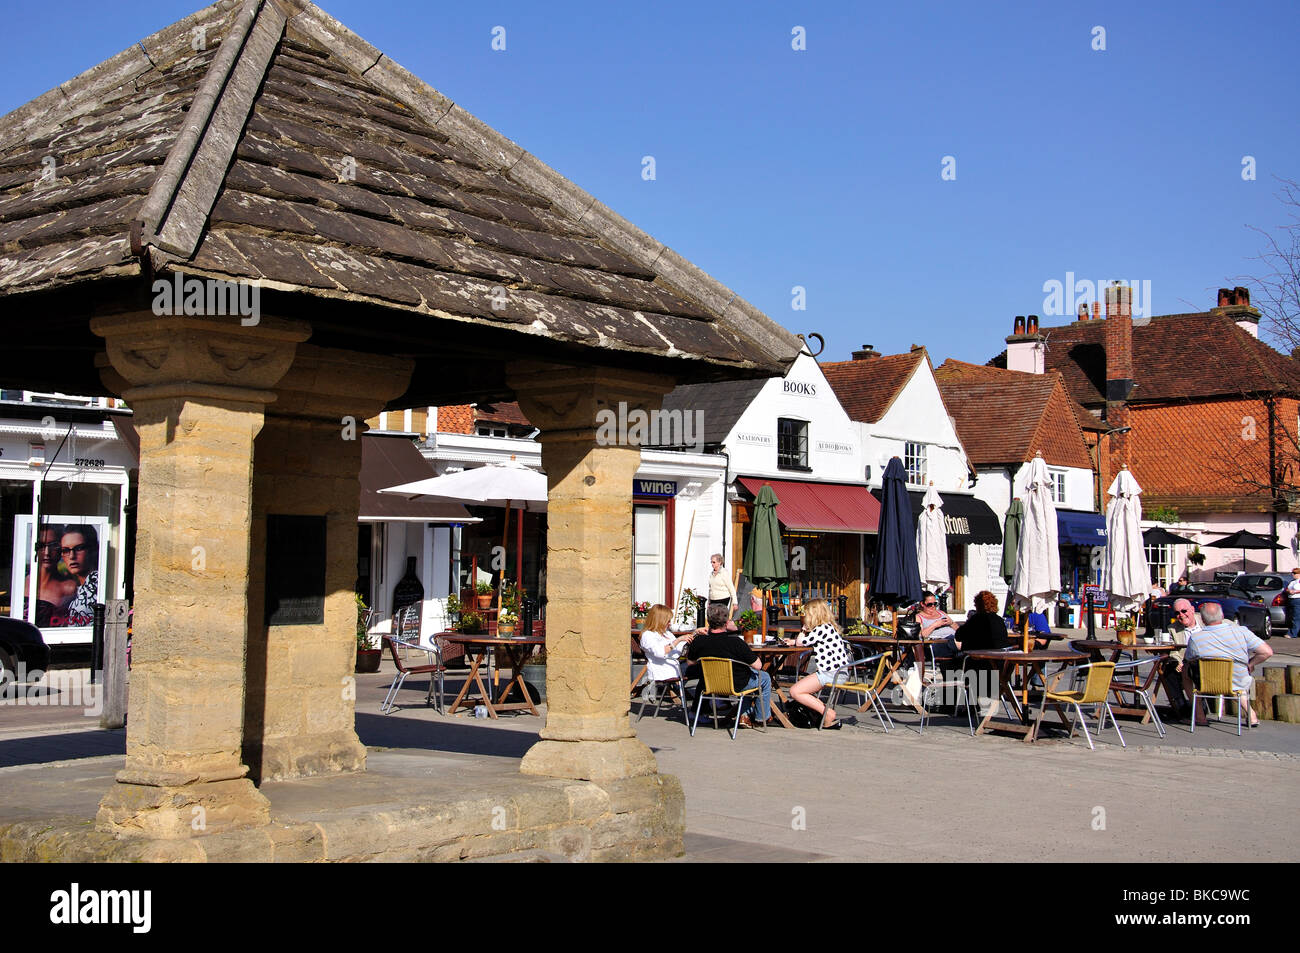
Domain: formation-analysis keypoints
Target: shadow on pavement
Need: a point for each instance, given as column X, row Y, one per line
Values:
column 67, row 746
column 388, row 731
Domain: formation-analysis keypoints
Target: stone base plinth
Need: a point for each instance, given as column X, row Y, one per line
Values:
column 337, row 752
column 598, row 761
column 404, row 808
column 172, row 812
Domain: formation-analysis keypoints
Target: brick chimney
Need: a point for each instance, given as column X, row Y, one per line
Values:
column 1235, row 303
column 1026, row 348
column 866, row 354
column 1119, row 368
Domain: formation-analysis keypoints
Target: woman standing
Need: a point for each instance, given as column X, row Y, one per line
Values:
column 722, row 591
column 80, row 551
column 831, row 653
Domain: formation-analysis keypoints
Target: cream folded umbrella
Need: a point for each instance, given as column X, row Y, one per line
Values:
column 1038, row 562
column 932, row 541
column 1128, row 579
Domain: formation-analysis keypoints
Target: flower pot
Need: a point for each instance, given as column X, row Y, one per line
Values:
column 535, row 675
column 484, row 602
column 752, row 637
column 1127, row 636
column 638, row 623
column 506, row 629
column 368, row 661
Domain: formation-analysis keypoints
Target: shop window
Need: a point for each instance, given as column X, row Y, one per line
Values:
column 1160, row 559
column 1056, row 483
column 914, row 461
column 792, row 444
column 486, row 430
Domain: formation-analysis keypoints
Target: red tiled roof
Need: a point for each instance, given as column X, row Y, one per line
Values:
column 457, row 418
column 1007, row 416
column 1175, row 356
column 866, row 388
column 502, row 412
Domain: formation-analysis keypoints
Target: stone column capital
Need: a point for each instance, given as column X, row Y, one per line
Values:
column 559, row 398
column 327, row 383
column 158, row 357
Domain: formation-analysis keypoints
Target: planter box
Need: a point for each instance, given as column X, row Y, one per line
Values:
column 535, row 675
column 368, row 661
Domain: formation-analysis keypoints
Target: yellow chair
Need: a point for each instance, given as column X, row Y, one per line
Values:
column 1216, row 682
column 1095, row 690
column 718, row 682
column 844, row 682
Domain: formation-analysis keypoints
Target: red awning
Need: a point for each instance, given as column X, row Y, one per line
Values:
column 823, row 507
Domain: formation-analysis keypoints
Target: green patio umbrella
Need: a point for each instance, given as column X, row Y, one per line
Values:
column 764, row 561
column 1011, row 538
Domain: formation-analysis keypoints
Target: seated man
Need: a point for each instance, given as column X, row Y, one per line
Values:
column 720, row 640
column 1185, row 622
column 1220, row 639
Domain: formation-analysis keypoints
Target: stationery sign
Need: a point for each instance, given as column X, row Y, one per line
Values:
column 662, row 488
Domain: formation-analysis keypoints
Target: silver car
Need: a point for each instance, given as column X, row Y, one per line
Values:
column 1271, row 587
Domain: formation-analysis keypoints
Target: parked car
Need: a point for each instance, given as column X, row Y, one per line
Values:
column 1238, row 604
column 1271, row 587
column 22, row 650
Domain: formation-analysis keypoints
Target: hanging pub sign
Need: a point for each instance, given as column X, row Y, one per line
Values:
column 295, row 570
column 660, row 488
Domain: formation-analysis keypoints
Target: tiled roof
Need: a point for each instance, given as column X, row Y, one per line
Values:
column 456, row 418
column 866, row 388
column 290, row 153
column 1210, row 456
column 721, row 403
column 502, row 412
column 1175, row 357
column 1005, row 417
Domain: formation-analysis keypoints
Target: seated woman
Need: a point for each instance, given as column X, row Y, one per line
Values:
column 662, row 650
column 935, row 624
column 984, row 628
column 831, row 653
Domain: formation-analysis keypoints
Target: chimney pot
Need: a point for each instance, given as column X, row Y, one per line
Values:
column 1096, row 310
column 865, row 353
column 1241, row 295
column 1083, row 312
column 1032, row 326
column 1019, row 327
column 1225, row 297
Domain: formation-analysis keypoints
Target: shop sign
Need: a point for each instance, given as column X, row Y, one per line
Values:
column 755, row 439
column 834, row 446
column 662, row 488
column 957, row 525
column 799, row 388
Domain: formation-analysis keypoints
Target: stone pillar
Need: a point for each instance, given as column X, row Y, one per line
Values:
column 590, row 462
column 198, row 387
column 299, row 705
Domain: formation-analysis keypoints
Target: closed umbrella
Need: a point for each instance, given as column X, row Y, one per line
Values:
column 764, row 564
column 1011, row 538
column 1127, row 577
column 1037, row 580
column 932, row 541
column 895, row 577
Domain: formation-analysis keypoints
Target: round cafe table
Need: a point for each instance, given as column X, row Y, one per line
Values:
column 480, row 647
column 1033, row 661
column 1151, row 684
column 773, row 658
column 888, row 643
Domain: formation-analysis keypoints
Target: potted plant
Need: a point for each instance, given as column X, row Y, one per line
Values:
column 1126, row 628
column 750, row 623
column 639, row 611
column 507, row 621
column 483, row 594
column 684, row 616
column 368, row 654
column 534, row 672
column 471, row 623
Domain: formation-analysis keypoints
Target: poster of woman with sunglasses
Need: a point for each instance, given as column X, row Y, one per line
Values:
column 67, row 553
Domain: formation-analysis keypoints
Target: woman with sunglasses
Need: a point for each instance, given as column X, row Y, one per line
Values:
column 54, row 590
column 935, row 624
column 79, row 548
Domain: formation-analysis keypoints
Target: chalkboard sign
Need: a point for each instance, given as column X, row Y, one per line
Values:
column 295, row 570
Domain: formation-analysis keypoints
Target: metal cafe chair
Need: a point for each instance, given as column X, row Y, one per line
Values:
column 1216, row 682
column 1094, row 692
column 434, row 670
column 1129, row 687
column 868, row 685
column 717, row 681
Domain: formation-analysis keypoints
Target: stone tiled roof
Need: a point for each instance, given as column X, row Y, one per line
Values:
column 289, row 153
column 868, row 387
column 1175, row 357
column 721, row 404
column 1005, row 417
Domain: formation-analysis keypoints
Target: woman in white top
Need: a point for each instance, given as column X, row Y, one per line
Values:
column 722, row 591
column 831, row 653
column 662, row 650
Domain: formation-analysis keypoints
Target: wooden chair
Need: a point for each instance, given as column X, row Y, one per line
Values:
column 1216, row 682
column 1095, row 692
column 434, row 670
column 716, row 681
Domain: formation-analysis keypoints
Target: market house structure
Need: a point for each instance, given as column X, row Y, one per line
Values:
column 406, row 256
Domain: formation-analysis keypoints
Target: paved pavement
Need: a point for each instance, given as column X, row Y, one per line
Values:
column 856, row 794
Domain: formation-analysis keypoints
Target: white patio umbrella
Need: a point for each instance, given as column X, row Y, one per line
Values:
column 1128, row 578
column 932, row 541
column 1038, row 563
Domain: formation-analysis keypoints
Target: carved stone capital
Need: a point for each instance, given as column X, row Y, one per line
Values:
column 562, row 399
column 326, row 384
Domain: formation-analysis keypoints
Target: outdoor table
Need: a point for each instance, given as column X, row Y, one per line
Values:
column 899, row 657
column 479, row 647
column 773, row 657
column 1095, row 647
column 1034, row 660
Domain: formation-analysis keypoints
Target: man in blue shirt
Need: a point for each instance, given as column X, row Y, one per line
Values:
column 1219, row 639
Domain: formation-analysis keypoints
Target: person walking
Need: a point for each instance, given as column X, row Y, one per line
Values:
column 1293, row 603
column 722, row 591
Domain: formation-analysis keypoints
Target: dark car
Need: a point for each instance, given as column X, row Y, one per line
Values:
column 1271, row 587
column 22, row 650
column 1238, row 604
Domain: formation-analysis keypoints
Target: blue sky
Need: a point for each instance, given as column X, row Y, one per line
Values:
column 821, row 168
